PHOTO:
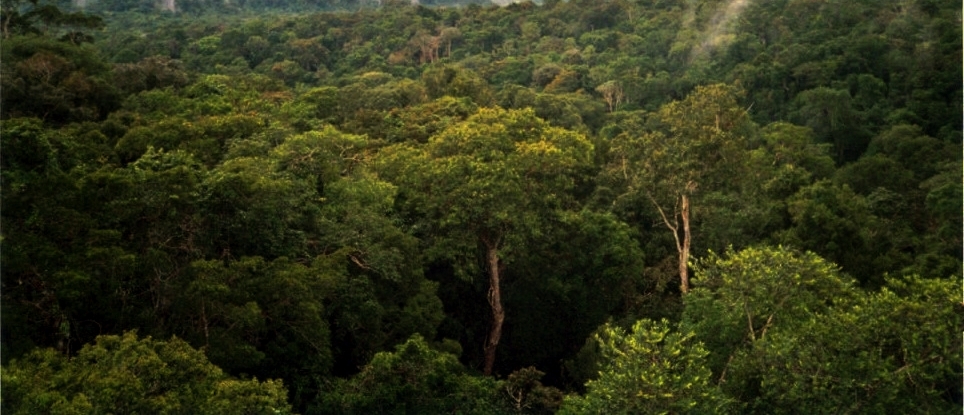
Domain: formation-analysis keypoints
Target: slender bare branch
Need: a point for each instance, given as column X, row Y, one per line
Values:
column 671, row 227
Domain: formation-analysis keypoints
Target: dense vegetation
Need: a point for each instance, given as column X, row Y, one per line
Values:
column 652, row 206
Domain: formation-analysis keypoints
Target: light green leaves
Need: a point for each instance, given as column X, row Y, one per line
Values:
column 124, row 374
column 652, row 369
column 788, row 334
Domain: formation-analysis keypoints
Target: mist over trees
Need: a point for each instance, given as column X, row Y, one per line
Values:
column 460, row 207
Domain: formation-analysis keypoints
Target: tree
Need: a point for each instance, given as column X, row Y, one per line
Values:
column 492, row 182
column 838, row 224
column 788, row 332
column 427, row 46
column 612, row 93
column 705, row 137
column 150, row 73
column 41, row 17
column 263, row 318
column 830, row 113
column 527, row 394
column 449, row 35
column 43, row 226
column 252, row 209
column 414, row 379
column 783, row 159
column 743, row 296
column 896, row 350
column 456, row 82
column 384, row 297
column 56, row 81
column 652, row 369
column 588, row 269
column 124, row 374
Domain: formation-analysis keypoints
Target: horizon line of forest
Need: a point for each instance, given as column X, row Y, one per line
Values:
column 570, row 207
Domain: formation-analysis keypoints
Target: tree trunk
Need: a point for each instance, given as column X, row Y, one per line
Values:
column 495, row 302
column 682, row 246
column 684, row 252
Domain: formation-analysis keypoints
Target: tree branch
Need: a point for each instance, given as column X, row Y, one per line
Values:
column 675, row 229
column 749, row 321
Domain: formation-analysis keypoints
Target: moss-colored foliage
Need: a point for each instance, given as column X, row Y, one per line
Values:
column 125, row 374
column 418, row 123
column 456, row 82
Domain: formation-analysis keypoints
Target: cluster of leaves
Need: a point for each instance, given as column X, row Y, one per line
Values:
column 418, row 378
column 297, row 195
column 650, row 370
column 129, row 375
column 770, row 330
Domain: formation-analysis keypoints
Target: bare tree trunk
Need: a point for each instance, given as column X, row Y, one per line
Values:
column 495, row 302
column 684, row 252
column 681, row 210
column 6, row 25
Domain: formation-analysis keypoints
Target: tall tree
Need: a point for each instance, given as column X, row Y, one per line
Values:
column 697, row 142
column 490, row 183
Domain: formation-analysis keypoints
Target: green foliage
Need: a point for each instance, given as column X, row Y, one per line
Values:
column 321, row 156
column 651, row 369
column 150, row 73
column 526, row 394
column 418, row 123
column 297, row 192
column 249, row 311
column 456, row 82
column 492, row 179
column 893, row 350
column 698, row 142
column 834, row 222
column 57, row 81
column 49, row 252
column 791, row 159
column 740, row 298
column 131, row 375
column 255, row 210
column 786, row 331
column 696, row 152
column 47, row 19
column 414, row 379
column 589, row 268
